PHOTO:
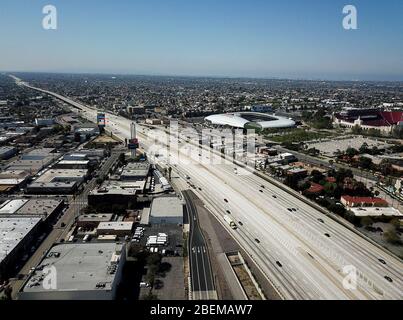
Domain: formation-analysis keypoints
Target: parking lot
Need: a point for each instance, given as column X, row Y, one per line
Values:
column 174, row 245
column 330, row 147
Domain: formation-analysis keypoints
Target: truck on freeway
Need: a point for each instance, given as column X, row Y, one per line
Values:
column 231, row 222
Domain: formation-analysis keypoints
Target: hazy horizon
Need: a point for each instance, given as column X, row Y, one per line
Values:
column 227, row 39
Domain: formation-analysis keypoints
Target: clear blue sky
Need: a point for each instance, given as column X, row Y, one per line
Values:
column 251, row 38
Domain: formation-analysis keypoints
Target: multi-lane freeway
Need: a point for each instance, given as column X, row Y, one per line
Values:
column 302, row 252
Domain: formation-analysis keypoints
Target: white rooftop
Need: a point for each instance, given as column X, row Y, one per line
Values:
column 376, row 211
column 116, row 225
column 80, row 266
column 166, row 207
column 12, row 206
column 240, row 119
column 12, row 231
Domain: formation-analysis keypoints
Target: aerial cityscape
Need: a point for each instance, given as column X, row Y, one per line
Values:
column 178, row 174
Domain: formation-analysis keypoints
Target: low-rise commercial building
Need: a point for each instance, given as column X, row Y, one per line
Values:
column 166, row 210
column 44, row 122
column 16, row 236
column 83, row 271
column 92, row 220
column 47, row 209
column 118, row 228
column 72, row 164
column 116, row 192
column 7, row 152
column 34, row 161
column 135, row 171
column 58, row 181
column 375, row 212
column 54, row 188
column 349, row 201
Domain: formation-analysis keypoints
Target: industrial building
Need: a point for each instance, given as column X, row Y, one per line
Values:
column 58, row 181
column 16, row 237
column 86, row 154
column 84, row 271
column 44, row 122
column 166, row 210
column 116, row 192
column 118, row 228
column 135, row 171
column 67, row 187
column 34, row 161
column 92, row 220
column 7, row 152
column 72, row 164
column 47, row 209
column 12, row 179
column 59, row 175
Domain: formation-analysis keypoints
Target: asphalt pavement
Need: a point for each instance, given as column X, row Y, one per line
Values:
column 202, row 282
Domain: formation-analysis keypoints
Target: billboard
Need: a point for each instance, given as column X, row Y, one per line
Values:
column 101, row 120
column 133, row 144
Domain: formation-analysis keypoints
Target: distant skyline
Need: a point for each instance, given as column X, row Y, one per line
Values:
column 295, row 39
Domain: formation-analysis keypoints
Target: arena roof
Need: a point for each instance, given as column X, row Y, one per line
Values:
column 241, row 119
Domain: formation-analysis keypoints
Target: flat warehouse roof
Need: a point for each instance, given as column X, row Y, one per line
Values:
column 95, row 217
column 116, row 225
column 12, row 231
column 12, row 206
column 53, row 174
column 80, row 266
column 40, row 206
column 166, row 207
column 376, row 212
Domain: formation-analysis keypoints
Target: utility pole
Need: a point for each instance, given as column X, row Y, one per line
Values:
column 133, row 137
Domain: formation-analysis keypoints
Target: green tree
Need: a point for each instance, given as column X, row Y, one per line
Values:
column 364, row 148
column 317, row 176
column 351, row 152
column 356, row 129
column 392, row 237
column 385, row 167
column 366, row 221
column 150, row 296
column 365, row 163
column 395, row 222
